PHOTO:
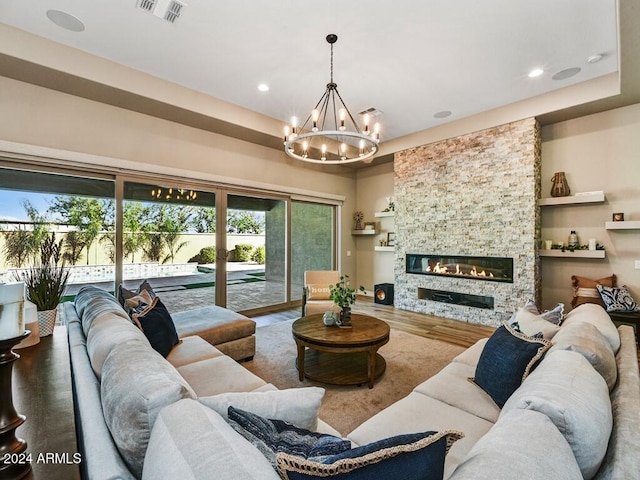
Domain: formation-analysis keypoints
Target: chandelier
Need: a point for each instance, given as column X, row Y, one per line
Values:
column 330, row 135
column 169, row 194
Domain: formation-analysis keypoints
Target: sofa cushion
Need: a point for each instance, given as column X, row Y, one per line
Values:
column 219, row 375
column 585, row 291
column 451, row 385
column 136, row 384
column 617, row 299
column 567, row 389
column 157, row 325
column 214, row 324
column 414, row 456
column 272, row 436
column 598, row 317
column 506, row 361
column 522, row 444
column 472, row 354
column 587, row 340
column 106, row 332
column 531, row 324
column 190, row 350
column 92, row 302
column 298, row 406
column 418, row 413
column 191, row 442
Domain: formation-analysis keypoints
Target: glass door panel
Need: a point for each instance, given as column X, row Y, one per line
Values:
column 169, row 238
column 75, row 214
column 312, row 241
column 256, row 239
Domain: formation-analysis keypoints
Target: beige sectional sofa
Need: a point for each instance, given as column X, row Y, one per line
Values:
column 142, row 416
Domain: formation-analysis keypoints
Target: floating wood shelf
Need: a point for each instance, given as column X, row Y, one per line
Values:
column 574, row 254
column 384, row 249
column 593, row 197
column 626, row 225
column 364, row 232
column 384, row 214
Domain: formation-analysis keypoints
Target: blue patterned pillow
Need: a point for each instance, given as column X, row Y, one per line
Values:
column 274, row 436
column 506, row 360
column 415, row 456
column 617, row 299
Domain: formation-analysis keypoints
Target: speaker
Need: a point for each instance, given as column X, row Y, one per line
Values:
column 383, row 293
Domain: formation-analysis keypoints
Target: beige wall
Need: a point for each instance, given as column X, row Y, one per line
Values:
column 36, row 116
column 597, row 152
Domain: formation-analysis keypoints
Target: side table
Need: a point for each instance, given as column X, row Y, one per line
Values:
column 627, row 318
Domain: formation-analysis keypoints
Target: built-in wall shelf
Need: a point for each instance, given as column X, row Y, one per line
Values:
column 587, row 197
column 574, row 254
column 626, row 225
column 384, row 214
column 384, row 249
column 370, row 231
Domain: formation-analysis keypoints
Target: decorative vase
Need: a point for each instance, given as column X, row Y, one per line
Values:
column 560, row 187
column 345, row 316
column 329, row 318
column 47, row 321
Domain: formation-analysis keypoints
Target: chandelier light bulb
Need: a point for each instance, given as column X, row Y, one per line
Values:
column 287, row 131
column 361, row 146
column 366, row 124
column 324, row 152
column 376, row 132
column 343, row 115
column 314, row 116
column 305, row 149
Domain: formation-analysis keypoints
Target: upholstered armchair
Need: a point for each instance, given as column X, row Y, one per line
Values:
column 315, row 295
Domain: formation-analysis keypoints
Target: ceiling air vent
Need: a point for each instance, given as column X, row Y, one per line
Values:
column 146, row 5
column 168, row 10
column 173, row 12
column 373, row 111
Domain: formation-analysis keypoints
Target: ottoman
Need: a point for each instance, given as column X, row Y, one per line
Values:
column 228, row 331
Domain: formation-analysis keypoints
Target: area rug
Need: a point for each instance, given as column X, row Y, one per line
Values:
column 410, row 360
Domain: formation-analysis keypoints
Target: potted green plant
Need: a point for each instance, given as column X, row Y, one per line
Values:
column 45, row 284
column 344, row 296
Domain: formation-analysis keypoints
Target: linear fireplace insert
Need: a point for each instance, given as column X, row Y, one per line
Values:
column 495, row 269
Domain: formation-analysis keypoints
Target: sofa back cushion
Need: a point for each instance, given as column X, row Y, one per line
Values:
column 92, row 302
column 501, row 453
column 136, row 384
column 106, row 332
column 587, row 340
column 192, row 442
column 599, row 318
column 567, row 389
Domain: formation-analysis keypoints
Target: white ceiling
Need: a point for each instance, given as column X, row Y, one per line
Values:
column 410, row 59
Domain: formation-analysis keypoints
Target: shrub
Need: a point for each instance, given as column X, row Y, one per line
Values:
column 258, row 255
column 243, row 252
column 206, row 255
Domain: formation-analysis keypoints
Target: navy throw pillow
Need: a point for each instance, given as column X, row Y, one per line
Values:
column 273, row 436
column 157, row 325
column 414, row 456
column 506, row 360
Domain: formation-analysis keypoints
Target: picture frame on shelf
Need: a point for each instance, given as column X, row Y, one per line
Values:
column 618, row 217
column 391, row 239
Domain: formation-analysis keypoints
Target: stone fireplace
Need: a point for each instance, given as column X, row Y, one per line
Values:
column 462, row 203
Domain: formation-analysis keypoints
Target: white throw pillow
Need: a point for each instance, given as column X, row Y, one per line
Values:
column 531, row 324
column 298, row 406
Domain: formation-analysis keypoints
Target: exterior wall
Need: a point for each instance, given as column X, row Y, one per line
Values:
column 470, row 195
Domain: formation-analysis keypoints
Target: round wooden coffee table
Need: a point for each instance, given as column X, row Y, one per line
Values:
column 340, row 356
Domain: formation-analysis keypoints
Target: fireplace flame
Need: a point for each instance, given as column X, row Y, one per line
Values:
column 444, row 269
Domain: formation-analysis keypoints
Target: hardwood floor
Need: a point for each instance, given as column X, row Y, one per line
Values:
column 429, row 326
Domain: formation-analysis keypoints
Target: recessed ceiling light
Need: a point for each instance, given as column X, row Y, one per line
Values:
column 566, row 73
column 536, row 72
column 442, row 114
column 65, row 20
column 263, row 87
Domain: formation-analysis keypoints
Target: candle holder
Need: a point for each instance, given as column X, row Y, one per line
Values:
column 13, row 464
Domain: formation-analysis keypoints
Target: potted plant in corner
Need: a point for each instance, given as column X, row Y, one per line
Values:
column 343, row 296
column 45, row 284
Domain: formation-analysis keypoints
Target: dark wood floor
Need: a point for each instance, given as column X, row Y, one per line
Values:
column 430, row 326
